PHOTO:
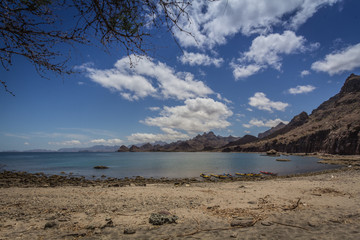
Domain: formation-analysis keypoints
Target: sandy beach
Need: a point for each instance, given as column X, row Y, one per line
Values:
column 324, row 206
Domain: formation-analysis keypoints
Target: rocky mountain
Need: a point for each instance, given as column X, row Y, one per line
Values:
column 333, row 127
column 271, row 130
column 244, row 140
column 205, row 142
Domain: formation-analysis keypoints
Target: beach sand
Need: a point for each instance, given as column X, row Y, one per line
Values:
column 325, row 206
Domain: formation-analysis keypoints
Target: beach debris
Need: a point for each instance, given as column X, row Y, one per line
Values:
column 242, row 222
column 266, row 223
column 101, row 167
column 129, row 231
column 162, row 217
column 49, row 225
column 283, row 160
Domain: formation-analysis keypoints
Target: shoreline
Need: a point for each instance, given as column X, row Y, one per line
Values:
column 319, row 205
column 10, row 179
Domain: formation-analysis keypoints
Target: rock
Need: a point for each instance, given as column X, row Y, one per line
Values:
column 49, row 225
column 272, row 152
column 162, row 217
column 101, row 167
column 242, row 222
column 252, row 202
column 109, row 223
column 129, row 231
column 234, row 235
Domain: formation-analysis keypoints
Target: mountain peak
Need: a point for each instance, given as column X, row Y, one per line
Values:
column 352, row 84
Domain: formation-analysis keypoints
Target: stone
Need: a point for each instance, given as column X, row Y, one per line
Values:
column 242, row 222
column 49, row 225
column 129, row 231
column 162, row 217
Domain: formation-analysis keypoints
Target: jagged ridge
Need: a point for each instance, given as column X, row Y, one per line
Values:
column 332, row 128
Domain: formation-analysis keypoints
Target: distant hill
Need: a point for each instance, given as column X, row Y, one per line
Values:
column 97, row 148
column 205, row 142
column 333, row 127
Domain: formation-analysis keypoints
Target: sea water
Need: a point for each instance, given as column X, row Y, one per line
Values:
column 159, row 164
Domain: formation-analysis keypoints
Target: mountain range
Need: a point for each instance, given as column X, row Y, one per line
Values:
column 333, row 127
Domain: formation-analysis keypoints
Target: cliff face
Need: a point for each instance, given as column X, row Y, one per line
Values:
column 334, row 127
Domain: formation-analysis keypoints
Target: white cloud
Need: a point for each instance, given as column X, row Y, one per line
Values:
column 301, row 89
column 338, row 62
column 197, row 115
column 307, row 10
column 154, row 109
column 170, row 135
column 102, row 141
column 267, row 123
column 266, row 51
column 212, row 22
column 241, row 71
column 249, row 109
column 66, row 143
column 304, row 73
column 260, row 101
column 26, row 143
column 200, row 59
column 148, row 78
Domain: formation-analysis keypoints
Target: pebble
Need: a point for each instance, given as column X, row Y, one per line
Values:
column 129, row 231
column 49, row 225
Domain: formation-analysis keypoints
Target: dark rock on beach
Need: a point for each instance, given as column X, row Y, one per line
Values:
column 162, row 217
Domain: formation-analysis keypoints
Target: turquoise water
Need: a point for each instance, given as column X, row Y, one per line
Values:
column 171, row 165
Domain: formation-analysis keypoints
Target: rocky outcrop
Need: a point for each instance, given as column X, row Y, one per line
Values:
column 333, row 127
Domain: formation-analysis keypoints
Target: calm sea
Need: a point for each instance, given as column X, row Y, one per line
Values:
column 171, row 165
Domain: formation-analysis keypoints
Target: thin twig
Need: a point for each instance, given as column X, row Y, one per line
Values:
column 289, row 225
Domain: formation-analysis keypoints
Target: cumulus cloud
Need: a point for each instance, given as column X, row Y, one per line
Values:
column 241, row 71
column 102, row 141
column 66, row 143
column 199, row 59
column 169, row 135
column 266, row 51
column 267, row 123
column 148, row 78
column 338, row 62
column 213, row 22
column 260, row 101
column 301, row 89
column 196, row 115
column 304, row 73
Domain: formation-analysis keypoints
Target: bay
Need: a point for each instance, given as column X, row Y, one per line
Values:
column 156, row 164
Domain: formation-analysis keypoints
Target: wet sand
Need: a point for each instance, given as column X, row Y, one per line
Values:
column 320, row 206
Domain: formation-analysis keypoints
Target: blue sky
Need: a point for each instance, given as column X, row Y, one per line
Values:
column 253, row 65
